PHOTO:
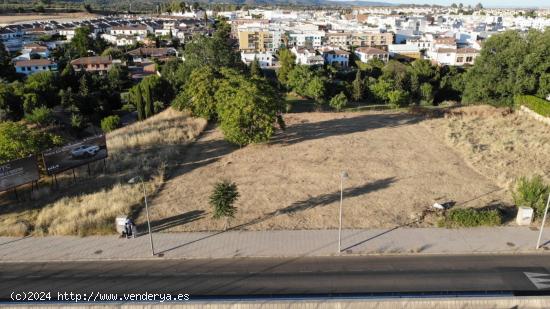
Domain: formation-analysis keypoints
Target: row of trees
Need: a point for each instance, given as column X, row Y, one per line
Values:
column 394, row 83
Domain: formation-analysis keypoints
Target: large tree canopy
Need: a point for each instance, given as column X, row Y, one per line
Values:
column 510, row 64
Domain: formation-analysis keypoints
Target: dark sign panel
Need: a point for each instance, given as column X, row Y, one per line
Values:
column 18, row 172
column 74, row 155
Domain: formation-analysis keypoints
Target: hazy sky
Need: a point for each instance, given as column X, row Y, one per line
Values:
column 486, row 3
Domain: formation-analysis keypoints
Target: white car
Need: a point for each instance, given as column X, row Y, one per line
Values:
column 84, row 151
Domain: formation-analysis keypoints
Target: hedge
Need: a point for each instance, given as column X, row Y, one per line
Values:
column 536, row 104
column 470, row 217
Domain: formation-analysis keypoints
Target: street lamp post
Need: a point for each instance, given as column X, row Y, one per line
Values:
column 343, row 175
column 131, row 181
column 543, row 221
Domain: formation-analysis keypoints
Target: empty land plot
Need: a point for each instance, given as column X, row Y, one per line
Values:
column 60, row 17
column 397, row 169
column 147, row 148
column 499, row 143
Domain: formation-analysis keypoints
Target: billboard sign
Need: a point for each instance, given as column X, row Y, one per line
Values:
column 18, row 172
column 74, row 155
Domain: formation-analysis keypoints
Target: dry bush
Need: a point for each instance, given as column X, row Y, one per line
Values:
column 14, row 227
column 497, row 142
column 144, row 148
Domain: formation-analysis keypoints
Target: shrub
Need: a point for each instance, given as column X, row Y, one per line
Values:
column 471, row 217
column 18, row 141
column 223, row 197
column 110, row 123
column 538, row 105
column 77, row 122
column 338, row 101
column 531, row 192
column 40, row 115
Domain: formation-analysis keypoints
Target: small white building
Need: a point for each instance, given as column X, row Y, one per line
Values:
column 307, row 56
column 141, row 30
column 336, row 56
column 28, row 67
column 367, row 53
column 265, row 59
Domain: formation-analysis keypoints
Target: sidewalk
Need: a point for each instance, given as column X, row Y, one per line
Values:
column 274, row 244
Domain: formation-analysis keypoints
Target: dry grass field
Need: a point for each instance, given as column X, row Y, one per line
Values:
column 500, row 144
column 60, row 17
column 146, row 148
column 398, row 164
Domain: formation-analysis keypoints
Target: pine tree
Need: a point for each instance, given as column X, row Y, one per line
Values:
column 137, row 98
column 358, row 89
column 148, row 97
column 255, row 68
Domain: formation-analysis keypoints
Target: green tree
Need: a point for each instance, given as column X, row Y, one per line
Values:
column 199, row 94
column 316, row 89
column 287, row 61
column 11, row 104
column 148, row 97
column 82, row 42
column 77, row 122
column 7, row 70
column 41, row 116
column 110, row 123
column 397, row 98
column 18, row 141
column 339, row 101
column 43, row 85
column 358, row 90
column 223, row 199
column 136, row 98
column 255, row 68
column 509, row 64
column 119, row 77
column 247, row 108
column 426, row 90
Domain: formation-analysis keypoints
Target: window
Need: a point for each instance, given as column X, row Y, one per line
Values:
column 460, row 59
column 469, row 59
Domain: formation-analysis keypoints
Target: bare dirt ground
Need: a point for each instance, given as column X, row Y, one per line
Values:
column 398, row 168
column 62, row 17
column 499, row 143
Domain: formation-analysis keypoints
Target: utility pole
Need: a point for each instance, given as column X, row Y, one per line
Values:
column 343, row 175
column 543, row 221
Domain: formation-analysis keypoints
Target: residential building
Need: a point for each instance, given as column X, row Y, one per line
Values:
column 31, row 66
column 367, row 53
column 336, row 56
column 265, row 59
column 371, row 39
column 404, row 51
column 256, row 40
column 99, row 64
column 140, row 30
column 340, row 39
column 307, row 56
column 139, row 54
column 454, row 56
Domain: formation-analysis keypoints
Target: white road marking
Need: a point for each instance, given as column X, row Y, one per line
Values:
column 540, row 281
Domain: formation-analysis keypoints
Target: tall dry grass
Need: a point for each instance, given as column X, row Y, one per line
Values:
column 497, row 142
column 144, row 148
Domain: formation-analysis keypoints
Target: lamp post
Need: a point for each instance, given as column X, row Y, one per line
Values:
column 343, row 175
column 543, row 221
column 134, row 180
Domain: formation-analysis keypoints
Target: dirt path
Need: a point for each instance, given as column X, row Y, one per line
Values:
column 397, row 168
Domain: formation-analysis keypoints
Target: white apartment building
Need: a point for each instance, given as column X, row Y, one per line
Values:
column 265, row 59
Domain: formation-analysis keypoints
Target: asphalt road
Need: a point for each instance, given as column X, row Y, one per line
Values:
column 275, row 276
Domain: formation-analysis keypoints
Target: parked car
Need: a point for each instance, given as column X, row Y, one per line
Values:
column 84, row 151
